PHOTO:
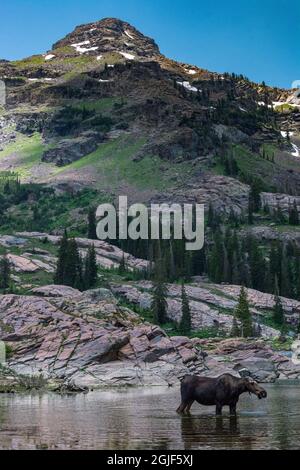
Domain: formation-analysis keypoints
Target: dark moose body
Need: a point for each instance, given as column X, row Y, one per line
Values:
column 221, row 391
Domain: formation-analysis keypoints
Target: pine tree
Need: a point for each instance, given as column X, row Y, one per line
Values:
column 278, row 314
column 286, row 281
column 122, row 266
column 210, row 216
column 69, row 264
column 243, row 314
column 275, row 264
column 61, row 262
column 250, row 212
column 216, row 259
column 257, row 266
column 293, row 214
column 186, row 322
column 254, row 195
column 92, row 234
column 91, row 268
column 159, row 295
column 73, row 266
column 5, row 278
column 279, row 216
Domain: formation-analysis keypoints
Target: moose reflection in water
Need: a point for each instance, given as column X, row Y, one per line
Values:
column 221, row 391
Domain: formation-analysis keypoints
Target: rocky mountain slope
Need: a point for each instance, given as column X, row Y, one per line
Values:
column 105, row 108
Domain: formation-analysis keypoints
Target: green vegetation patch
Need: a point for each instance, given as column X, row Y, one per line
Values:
column 29, row 152
column 35, row 60
column 114, row 161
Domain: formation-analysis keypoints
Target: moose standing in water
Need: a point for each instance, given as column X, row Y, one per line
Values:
column 221, row 391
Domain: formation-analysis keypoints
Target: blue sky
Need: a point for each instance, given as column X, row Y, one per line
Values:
column 257, row 38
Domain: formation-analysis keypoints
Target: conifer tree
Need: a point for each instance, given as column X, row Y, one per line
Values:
column 5, row 278
column 286, row 281
column 275, row 264
column 61, row 262
column 210, row 215
column 92, row 225
column 73, row 266
column 216, row 260
column 250, row 212
column 257, row 266
column 293, row 214
column 243, row 314
column 186, row 322
column 159, row 294
column 91, row 268
column 278, row 314
column 122, row 266
column 69, row 264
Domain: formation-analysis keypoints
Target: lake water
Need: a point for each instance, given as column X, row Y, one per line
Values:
column 146, row 419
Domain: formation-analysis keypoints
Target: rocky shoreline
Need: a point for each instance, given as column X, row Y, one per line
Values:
column 65, row 340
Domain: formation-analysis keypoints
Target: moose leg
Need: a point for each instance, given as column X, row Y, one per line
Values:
column 218, row 409
column 188, row 407
column 182, row 407
column 232, row 409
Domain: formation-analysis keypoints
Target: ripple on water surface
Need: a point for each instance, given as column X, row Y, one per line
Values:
column 146, row 419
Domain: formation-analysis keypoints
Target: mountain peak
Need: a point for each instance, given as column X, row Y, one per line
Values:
column 109, row 35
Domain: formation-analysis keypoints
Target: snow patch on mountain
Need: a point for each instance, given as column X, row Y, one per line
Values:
column 81, row 49
column 188, row 86
column 191, row 71
column 49, row 56
column 127, row 55
column 262, row 103
column 128, row 34
column 285, row 133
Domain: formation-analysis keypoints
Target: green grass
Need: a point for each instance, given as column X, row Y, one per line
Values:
column 251, row 163
column 102, row 105
column 32, row 61
column 282, row 158
column 29, row 151
column 114, row 163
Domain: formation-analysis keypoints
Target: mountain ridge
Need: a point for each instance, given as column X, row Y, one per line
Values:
column 106, row 83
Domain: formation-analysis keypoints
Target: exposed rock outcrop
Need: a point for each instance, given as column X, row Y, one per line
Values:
column 248, row 357
column 70, row 150
column 108, row 256
column 276, row 200
column 224, row 193
column 84, row 341
column 211, row 305
column 91, row 342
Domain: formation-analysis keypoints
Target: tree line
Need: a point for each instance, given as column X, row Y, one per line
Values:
column 73, row 269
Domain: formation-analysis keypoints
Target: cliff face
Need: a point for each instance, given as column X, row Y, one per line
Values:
column 90, row 341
